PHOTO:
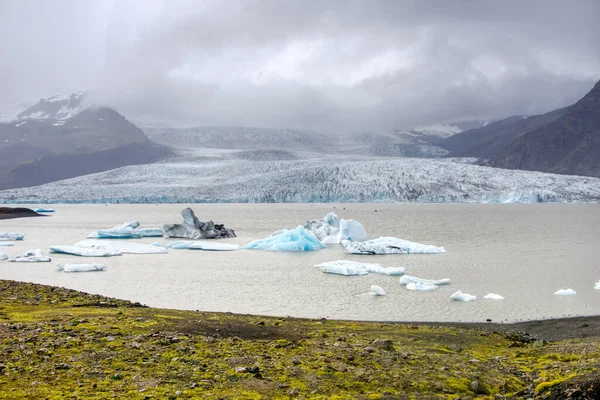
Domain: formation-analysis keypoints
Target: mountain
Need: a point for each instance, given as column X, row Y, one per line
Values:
column 60, row 107
column 38, row 149
column 564, row 141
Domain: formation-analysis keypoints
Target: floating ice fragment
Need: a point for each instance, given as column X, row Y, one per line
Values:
column 391, row 245
column 3, row 256
column 421, row 287
column 121, row 247
column 6, row 244
column 393, row 271
column 80, row 267
column 33, row 255
column 565, row 292
column 193, row 228
column 127, row 230
column 299, row 239
column 11, row 236
column 43, row 210
column 597, row 285
column 347, row 267
column 84, row 252
column 460, row 296
column 493, row 296
column 327, row 227
column 203, row 245
column 406, row 279
column 378, row 290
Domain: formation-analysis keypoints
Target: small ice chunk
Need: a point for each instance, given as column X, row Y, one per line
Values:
column 299, row 239
column 7, row 244
column 597, row 285
column 393, row 271
column 493, row 296
column 406, row 279
column 565, row 292
column 3, row 256
column 460, row 296
column 80, row 267
column 203, row 245
column 122, row 247
column 85, row 252
column 11, row 236
column 378, row 290
column 43, row 210
column 343, row 267
column 391, row 245
column 128, row 230
column 421, row 287
column 33, row 255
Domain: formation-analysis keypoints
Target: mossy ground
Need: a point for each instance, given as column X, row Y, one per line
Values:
column 59, row 343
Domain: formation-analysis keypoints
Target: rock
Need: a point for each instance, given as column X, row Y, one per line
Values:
column 293, row 392
column 498, row 396
column 370, row 349
column 296, row 360
column 178, row 393
column 479, row 388
column 193, row 228
column 540, row 343
column 241, row 370
column 384, row 344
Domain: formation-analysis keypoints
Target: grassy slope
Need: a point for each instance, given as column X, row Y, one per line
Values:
column 59, row 343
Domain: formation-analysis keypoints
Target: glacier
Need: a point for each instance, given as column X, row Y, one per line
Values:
column 335, row 179
column 391, row 245
column 299, row 239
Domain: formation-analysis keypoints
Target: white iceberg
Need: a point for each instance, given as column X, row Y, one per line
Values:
column 127, row 230
column 391, row 245
column 43, row 210
column 597, row 285
column 3, row 256
column 299, row 239
column 6, row 244
column 493, row 296
column 406, row 279
column 201, row 245
column 421, row 287
column 33, row 255
column 565, row 292
column 326, row 227
column 378, row 290
column 460, row 296
column 352, row 231
column 332, row 230
column 347, row 268
column 11, row 236
column 80, row 267
column 85, row 252
column 121, row 247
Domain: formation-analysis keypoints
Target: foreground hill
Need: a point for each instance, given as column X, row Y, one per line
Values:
column 564, row 141
column 34, row 151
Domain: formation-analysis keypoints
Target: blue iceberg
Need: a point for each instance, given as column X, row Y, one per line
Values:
column 299, row 239
column 43, row 210
column 11, row 236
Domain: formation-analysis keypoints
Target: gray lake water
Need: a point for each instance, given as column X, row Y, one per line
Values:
column 523, row 252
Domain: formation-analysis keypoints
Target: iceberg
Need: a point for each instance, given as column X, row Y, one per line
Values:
column 391, row 245
column 200, row 245
column 493, row 296
column 460, row 296
column 43, row 210
column 11, row 236
column 33, row 255
column 565, row 292
column 346, row 267
column 3, row 256
column 121, row 247
column 378, row 290
column 352, row 231
column 406, row 279
column 597, row 285
column 421, row 287
column 127, row 230
column 193, row 228
column 85, row 252
column 80, row 267
column 299, row 239
column 6, row 244
column 324, row 228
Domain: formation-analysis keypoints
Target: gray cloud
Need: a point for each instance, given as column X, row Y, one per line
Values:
column 337, row 64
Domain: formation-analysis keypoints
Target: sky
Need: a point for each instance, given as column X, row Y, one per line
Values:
column 324, row 65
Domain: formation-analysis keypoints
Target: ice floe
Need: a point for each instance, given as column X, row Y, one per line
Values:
column 127, row 230
column 406, row 279
column 378, row 290
column 121, row 246
column 43, row 210
column 493, row 296
column 80, row 267
column 597, row 285
column 391, row 245
column 299, row 239
column 347, row 267
column 85, row 252
column 193, row 228
column 460, row 296
column 11, row 236
column 422, row 287
column 33, row 255
column 200, row 245
column 565, row 292
column 3, row 256
column 6, row 244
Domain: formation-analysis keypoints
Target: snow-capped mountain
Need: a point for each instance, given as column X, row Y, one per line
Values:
column 317, row 180
column 60, row 107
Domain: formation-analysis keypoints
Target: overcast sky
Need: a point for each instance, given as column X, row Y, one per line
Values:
column 335, row 64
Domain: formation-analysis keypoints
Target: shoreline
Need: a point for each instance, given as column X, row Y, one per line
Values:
column 18, row 212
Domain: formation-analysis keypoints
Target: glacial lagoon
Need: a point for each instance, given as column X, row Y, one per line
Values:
column 522, row 252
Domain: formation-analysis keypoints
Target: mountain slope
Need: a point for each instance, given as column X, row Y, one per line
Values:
column 565, row 141
column 36, row 151
column 58, row 107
